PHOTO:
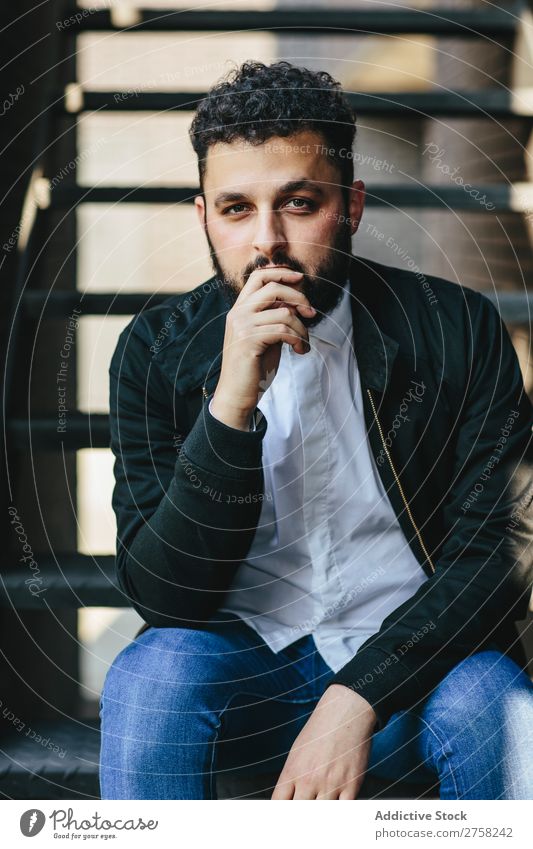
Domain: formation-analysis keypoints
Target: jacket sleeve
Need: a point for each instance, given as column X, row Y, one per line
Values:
column 484, row 573
column 187, row 505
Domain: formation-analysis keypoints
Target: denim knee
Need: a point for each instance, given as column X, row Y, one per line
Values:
column 486, row 690
column 156, row 674
column 476, row 723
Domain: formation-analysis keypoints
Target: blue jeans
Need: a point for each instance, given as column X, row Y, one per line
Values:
column 178, row 705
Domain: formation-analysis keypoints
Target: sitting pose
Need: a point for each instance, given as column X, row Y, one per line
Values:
column 323, row 492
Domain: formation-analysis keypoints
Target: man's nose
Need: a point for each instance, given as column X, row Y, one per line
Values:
column 269, row 235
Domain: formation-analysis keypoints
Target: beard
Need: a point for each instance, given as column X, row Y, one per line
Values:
column 322, row 284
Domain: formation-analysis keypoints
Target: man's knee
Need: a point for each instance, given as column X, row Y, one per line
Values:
column 165, row 670
column 487, row 690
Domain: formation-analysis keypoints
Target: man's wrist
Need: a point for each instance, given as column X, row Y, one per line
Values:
column 231, row 416
column 364, row 712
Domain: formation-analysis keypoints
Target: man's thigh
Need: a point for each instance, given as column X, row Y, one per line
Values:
column 256, row 736
column 183, row 702
column 465, row 733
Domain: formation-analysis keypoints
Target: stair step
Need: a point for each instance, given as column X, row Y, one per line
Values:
column 81, row 430
column 514, row 307
column 61, row 763
column 84, row 430
column 463, row 23
column 31, row 769
column 504, row 198
column 58, row 304
column 482, row 103
column 74, row 581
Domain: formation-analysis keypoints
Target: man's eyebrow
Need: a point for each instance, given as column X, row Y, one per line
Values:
column 286, row 188
column 227, row 197
column 296, row 185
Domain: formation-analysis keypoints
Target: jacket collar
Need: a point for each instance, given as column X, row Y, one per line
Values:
column 192, row 353
column 375, row 351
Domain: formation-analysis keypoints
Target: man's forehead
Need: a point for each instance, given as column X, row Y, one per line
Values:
column 237, row 164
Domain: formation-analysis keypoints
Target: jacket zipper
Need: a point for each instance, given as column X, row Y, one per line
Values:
column 396, row 478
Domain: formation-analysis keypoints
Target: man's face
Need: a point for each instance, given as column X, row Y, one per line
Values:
column 278, row 203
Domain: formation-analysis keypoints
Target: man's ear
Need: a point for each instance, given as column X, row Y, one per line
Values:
column 200, row 210
column 356, row 204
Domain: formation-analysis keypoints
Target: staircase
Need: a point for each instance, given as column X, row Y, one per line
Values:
column 63, row 762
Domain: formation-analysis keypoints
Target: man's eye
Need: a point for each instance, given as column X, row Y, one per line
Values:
column 307, row 204
column 301, row 203
column 229, row 208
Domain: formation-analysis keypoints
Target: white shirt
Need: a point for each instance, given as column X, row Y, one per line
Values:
column 329, row 557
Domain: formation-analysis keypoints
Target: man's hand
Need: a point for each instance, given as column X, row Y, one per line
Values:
column 255, row 331
column 328, row 759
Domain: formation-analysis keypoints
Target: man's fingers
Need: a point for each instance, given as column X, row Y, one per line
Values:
column 274, row 333
column 276, row 293
column 348, row 795
column 280, row 316
column 261, row 276
column 346, row 790
column 328, row 795
column 304, row 791
column 290, row 328
column 284, row 789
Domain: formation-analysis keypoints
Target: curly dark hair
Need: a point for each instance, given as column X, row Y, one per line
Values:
column 256, row 102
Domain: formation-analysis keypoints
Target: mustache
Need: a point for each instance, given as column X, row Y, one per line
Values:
column 261, row 262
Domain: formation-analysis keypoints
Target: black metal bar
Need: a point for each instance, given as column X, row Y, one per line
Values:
column 68, row 580
column 38, row 305
column 43, row 139
column 70, row 196
column 514, row 307
column 80, row 430
column 465, row 23
column 396, row 196
column 482, row 104
column 92, row 431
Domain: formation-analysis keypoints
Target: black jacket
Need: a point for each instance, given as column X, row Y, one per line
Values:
column 449, row 425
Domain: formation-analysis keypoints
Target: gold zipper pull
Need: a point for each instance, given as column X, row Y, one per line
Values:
column 396, row 478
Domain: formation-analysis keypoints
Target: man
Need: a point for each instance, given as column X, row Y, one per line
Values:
column 328, row 539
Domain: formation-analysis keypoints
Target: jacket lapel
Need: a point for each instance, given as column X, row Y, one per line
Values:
column 194, row 352
column 375, row 351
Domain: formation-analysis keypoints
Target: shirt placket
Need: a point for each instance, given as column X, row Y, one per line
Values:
column 316, row 475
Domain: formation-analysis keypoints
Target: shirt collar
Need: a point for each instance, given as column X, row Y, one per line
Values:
column 337, row 325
